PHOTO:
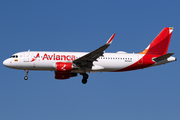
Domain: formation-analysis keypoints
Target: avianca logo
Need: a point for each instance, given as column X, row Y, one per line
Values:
column 55, row 57
column 35, row 57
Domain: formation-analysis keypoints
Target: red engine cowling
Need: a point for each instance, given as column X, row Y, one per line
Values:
column 63, row 67
column 63, row 70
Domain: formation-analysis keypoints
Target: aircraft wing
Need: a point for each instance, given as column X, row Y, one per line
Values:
column 88, row 59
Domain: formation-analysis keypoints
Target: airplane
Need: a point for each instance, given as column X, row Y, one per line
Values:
column 70, row 64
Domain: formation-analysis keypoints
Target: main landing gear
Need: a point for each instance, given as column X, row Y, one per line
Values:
column 26, row 77
column 85, row 77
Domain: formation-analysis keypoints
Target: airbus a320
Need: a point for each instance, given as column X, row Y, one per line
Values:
column 70, row 64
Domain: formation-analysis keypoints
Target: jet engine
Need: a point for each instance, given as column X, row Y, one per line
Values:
column 63, row 70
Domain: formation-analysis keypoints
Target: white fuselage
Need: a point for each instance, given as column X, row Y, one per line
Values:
column 46, row 60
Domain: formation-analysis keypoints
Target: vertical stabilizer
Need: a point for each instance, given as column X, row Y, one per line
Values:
column 160, row 44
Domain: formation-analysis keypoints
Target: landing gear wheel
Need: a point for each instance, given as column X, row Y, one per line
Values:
column 85, row 77
column 84, row 81
column 26, row 77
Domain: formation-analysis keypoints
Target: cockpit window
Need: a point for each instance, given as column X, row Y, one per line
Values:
column 14, row 56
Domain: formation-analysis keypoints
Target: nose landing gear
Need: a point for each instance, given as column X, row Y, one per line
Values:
column 26, row 77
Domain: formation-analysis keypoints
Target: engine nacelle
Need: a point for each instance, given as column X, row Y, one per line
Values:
column 63, row 67
column 63, row 70
column 64, row 75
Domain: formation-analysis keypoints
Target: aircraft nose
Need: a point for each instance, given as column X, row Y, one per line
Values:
column 5, row 63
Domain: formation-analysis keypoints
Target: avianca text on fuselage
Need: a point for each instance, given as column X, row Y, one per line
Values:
column 67, row 64
column 59, row 57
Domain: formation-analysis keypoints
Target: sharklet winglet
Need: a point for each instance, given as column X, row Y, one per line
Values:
column 110, row 39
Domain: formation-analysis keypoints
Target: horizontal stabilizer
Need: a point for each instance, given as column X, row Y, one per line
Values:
column 163, row 57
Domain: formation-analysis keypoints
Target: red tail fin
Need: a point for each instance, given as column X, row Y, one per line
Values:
column 160, row 44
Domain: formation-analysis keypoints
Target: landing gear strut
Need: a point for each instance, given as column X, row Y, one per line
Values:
column 85, row 77
column 26, row 77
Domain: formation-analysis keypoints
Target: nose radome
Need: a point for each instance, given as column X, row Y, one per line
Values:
column 5, row 62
